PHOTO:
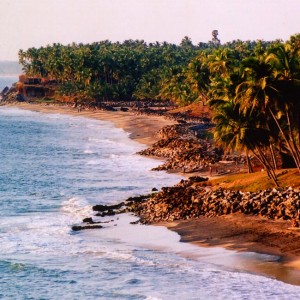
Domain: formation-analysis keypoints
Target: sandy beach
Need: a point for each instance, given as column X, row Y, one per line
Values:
column 237, row 232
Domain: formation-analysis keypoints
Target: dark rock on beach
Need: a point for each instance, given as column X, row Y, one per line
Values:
column 109, row 210
column 88, row 220
column 103, row 208
column 83, row 227
column 91, row 221
column 189, row 200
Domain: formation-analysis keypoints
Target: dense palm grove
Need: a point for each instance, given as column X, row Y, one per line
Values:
column 252, row 88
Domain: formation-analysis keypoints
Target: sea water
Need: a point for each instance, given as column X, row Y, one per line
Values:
column 53, row 169
column 7, row 81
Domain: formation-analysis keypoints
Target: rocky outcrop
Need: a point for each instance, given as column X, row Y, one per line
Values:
column 186, row 148
column 189, row 200
column 183, row 149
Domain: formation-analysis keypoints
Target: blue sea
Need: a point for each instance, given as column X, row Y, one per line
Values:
column 7, row 81
column 53, row 169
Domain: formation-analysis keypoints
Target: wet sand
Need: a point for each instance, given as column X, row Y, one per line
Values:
column 246, row 233
column 237, row 232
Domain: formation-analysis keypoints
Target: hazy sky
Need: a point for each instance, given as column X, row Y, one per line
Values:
column 35, row 23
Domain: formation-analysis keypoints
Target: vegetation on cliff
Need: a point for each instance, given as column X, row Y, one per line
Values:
column 124, row 71
column 252, row 88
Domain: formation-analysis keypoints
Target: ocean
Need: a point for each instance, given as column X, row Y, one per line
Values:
column 7, row 80
column 53, row 169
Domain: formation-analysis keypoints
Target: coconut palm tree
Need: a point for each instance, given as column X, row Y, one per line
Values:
column 285, row 61
column 237, row 131
column 261, row 89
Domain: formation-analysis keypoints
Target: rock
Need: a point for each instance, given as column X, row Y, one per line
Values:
column 198, row 179
column 88, row 220
column 182, row 149
column 109, row 212
column 83, row 227
column 20, row 98
column 4, row 91
column 138, row 198
column 187, row 200
column 135, row 222
column 103, row 208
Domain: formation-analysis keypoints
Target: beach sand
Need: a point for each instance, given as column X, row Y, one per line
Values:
column 237, row 232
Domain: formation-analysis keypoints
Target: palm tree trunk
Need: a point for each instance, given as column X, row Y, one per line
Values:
column 268, row 165
column 250, row 169
column 273, row 157
column 292, row 137
column 286, row 139
column 261, row 157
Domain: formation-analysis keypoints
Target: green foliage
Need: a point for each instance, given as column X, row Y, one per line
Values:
column 252, row 87
column 254, row 93
column 107, row 70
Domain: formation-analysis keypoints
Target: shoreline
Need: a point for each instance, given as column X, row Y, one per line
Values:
column 141, row 128
column 235, row 232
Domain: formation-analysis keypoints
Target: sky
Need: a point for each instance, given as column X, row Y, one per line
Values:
column 36, row 23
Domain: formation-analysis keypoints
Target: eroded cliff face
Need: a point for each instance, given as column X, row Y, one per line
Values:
column 34, row 87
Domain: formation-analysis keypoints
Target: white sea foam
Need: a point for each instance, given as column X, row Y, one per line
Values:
column 88, row 151
column 78, row 208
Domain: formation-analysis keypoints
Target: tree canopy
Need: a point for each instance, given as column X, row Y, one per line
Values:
column 252, row 87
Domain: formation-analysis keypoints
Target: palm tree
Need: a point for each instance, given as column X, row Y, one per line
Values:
column 236, row 131
column 285, row 61
column 262, row 89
